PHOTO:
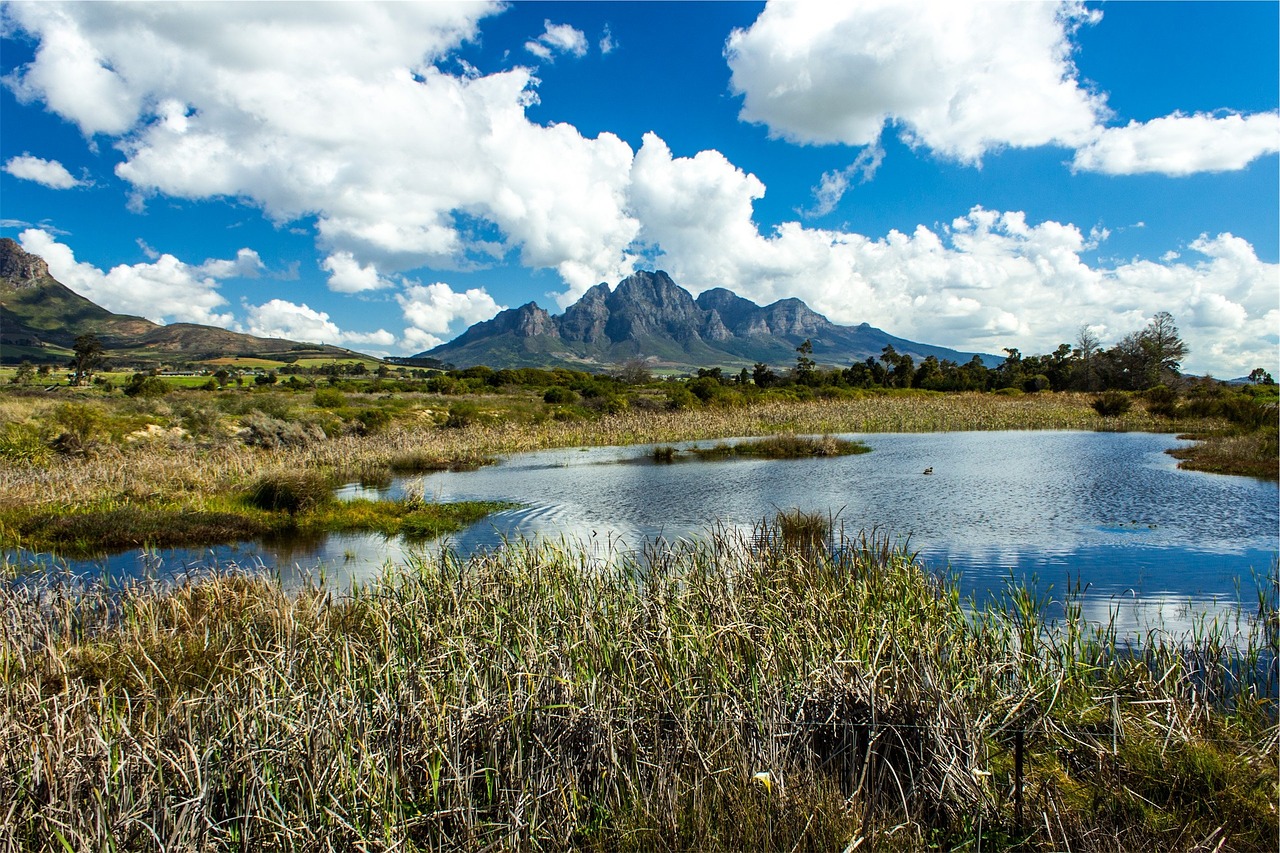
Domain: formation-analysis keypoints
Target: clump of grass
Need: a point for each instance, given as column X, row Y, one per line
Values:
column 797, row 530
column 786, row 446
column 664, row 454
column 290, row 491
column 411, row 517
column 1252, row 454
column 1112, row 404
column 94, row 532
column 654, row 693
column 426, row 461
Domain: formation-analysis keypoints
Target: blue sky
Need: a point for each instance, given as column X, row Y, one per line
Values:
column 979, row 176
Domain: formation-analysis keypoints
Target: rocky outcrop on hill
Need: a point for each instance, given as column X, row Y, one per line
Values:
column 649, row 316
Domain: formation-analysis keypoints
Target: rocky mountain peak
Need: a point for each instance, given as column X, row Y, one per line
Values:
column 648, row 315
column 21, row 268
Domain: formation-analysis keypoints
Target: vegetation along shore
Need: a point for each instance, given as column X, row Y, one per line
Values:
column 93, row 468
column 794, row 689
column 791, row 690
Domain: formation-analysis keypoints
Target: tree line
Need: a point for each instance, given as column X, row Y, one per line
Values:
column 1141, row 360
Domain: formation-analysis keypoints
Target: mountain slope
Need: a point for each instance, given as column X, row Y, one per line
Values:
column 649, row 316
column 41, row 316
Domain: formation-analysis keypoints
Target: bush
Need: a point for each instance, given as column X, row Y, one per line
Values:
column 329, row 398
column 23, row 443
column 558, row 394
column 462, row 415
column 1037, row 383
column 291, row 492
column 145, row 385
column 201, row 420
column 680, row 397
column 1112, row 404
column 1162, row 401
column 373, row 420
column 262, row 430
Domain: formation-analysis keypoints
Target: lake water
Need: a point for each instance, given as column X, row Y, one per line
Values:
column 1155, row 546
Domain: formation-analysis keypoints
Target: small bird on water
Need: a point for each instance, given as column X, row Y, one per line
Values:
column 929, row 470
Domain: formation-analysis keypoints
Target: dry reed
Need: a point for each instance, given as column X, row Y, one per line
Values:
column 734, row 693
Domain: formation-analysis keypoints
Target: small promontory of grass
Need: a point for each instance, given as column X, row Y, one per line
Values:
column 784, row 447
column 1249, row 454
column 95, row 531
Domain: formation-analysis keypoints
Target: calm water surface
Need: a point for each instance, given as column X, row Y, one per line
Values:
column 1154, row 545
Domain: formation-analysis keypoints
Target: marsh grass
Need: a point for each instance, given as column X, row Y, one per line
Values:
column 786, row 446
column 1252, row 454
column 541, row 697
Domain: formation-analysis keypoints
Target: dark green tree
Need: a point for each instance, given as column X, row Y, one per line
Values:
column 23, row 374
column 805, row 365
column 89, row 356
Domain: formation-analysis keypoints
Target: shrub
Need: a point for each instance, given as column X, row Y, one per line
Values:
column 1112, row 404
column 680, row 397
column 558, row 394
column 145, row 385
column 260, row 430
column 23, row 443
column 201, row 420
column 1162, row 401
column 373, row 420
column 462, row 415
column 292, row 491
column 1036, row 383
column 329, row 398
column 81, row 425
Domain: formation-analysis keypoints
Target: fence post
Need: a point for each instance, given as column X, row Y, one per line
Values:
column 1017, row 780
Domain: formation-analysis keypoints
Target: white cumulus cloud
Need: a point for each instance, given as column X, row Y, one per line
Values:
column 1182, row 144
column 985, row 281
column 279, row 318
column 431, row 309
column 559, row 38
column 347, row 275
column 336, row 111
column 961, row 78
column 50, row 173
column 164, row 291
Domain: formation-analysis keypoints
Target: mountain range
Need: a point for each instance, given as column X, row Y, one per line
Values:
column 40, row 319
column 647, row 316
column 650, row 317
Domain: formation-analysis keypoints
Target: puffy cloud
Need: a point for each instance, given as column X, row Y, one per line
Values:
column 247, row 264
column 164, row 291
column 432, row 309
column 984, row 281
column 558, row 38
column 51, row 173
column 346, row 275
column 1182, row 144
column 961, row 78
column 336, row 111
column 280, row 318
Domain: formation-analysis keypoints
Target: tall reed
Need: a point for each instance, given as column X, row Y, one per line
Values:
column 737, row 692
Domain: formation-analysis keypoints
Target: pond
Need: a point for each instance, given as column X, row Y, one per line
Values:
column 1154, row 546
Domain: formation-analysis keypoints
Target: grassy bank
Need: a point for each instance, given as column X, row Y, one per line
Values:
column 786, row 446
column 762, row 693
column 1250, row 454
column 163, row 456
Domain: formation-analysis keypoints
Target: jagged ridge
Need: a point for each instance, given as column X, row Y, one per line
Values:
column 649, row 316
